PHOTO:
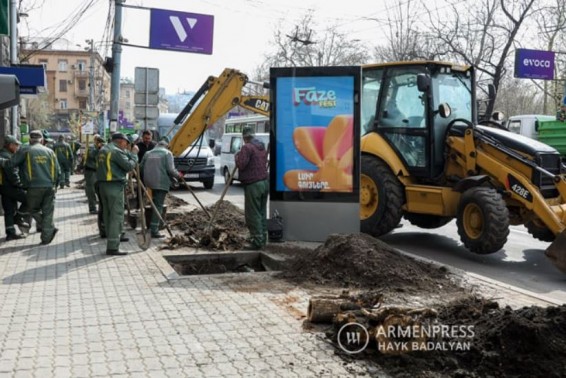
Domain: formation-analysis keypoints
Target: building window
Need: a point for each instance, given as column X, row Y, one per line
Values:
column 127, row 94
column 81, row 65
column 62, row 104
column 62, row 85
column 128, row 105
column 82, row 104
column 43, row 62
column 82, row 85
column 63, row 64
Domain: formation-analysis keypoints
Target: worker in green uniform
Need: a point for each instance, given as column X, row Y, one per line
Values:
column 91, row 155
column 39, row 172
column 65, row 157
column 114, row 163
column 158, row 169
column 12, row 193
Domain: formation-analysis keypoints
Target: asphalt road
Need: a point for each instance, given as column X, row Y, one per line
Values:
column 521, row 263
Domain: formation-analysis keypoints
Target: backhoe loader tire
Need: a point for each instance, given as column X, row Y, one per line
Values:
column 381, row 198
column 483, row 220
column 540, row 232
column 426, row 220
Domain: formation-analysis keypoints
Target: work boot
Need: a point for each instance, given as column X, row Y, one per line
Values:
column 20, row 221
column 93, row 211
column 251, row 247
column 124, row 238
column 157, row 235
column 68, row 185
column 45, row 242
column 115, row 252
column 14, row 237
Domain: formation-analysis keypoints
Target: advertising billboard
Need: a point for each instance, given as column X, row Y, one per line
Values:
column 534, row 64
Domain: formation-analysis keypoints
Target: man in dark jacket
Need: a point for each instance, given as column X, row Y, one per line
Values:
column 90, row 159
column 158, row 169
column 146, row 144
column 39, row 172
column 65, row 157
column 12, row 192
column 114, row 163
column 252, row 165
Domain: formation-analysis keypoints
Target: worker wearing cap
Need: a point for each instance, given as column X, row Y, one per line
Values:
column 114, row 163
column 158, row 169
column 65, row 157
column 12, row 192
column 251, row 161
column 39, row 172
column 90, row 158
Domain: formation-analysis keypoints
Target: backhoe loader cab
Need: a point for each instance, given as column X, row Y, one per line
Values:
column 425, row 159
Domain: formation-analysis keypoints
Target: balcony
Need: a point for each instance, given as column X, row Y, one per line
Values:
column 82, row 93
column 81, row 74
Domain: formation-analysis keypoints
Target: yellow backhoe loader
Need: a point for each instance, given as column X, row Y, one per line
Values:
column 425, row 159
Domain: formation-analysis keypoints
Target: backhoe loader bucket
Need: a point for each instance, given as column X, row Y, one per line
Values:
column 556, row 252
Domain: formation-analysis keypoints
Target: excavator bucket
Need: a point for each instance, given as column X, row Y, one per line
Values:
column 556, row 252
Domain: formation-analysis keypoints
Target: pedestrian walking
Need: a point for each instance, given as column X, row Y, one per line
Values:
column 158, row 169
column 65, row 157
column 114, row 163
column 90, row 159
column 12, row 193
column 251, row 161
column 39, row 172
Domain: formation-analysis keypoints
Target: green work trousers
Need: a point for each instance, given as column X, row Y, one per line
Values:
column 158, row 197
column 90, row 181
column 112, row 201
column 41, row 205
column 10, row 198
column 65, row 176
column 255, row 203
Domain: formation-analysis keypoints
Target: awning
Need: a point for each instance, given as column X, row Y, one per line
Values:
column 31, row 77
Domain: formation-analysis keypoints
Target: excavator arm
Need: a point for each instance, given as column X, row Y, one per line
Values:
column 217, row 96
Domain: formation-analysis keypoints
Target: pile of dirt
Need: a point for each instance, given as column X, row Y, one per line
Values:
column 227, row 232
column 361, row 261
column 492, row 341
column 173, row 201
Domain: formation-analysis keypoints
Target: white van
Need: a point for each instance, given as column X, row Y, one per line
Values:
column 231, row 143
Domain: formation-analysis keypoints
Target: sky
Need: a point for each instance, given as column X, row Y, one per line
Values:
column 243, row 31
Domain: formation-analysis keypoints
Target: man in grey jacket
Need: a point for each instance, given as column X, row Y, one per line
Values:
column 157, row 169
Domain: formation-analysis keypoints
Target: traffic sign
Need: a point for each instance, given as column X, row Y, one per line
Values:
column 181, row 31
column 146, row 112
column 88, row 128
column 146, row 99
column 146, row 80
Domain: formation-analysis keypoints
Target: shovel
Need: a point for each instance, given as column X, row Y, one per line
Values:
column 132, row 219
column 155, row 209
column 143, row 238
column 195, row 196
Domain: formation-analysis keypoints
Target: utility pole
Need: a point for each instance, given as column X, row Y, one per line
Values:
column 14, row 58
column 116, row 59
column 91, row 75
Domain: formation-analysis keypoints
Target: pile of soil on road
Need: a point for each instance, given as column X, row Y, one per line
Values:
column 528, row 342
column 172, row 202
column 361, row 261
column 228, row 231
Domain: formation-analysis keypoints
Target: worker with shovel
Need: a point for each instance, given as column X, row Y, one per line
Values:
column 157, row 169
column 114, row 163
column 91, row 156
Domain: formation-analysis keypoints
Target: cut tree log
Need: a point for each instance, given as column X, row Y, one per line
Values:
column 324, row 309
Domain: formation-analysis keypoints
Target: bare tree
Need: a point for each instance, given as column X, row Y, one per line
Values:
column 551, row 23
column 304, row 45
column 483, row 37
column 39, row 114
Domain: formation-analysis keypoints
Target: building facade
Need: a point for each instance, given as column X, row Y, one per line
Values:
column 78, row 87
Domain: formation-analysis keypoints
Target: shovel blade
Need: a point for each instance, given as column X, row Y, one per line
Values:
column 556, row 252
column 144, row 240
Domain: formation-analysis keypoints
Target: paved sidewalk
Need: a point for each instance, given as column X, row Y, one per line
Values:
column 68, row 310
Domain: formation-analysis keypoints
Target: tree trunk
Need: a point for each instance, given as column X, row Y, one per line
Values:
column 323, row 309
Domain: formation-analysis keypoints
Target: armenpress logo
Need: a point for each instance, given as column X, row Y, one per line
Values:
column 353, row 338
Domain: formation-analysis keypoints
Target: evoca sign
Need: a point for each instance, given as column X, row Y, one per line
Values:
column 534, row 64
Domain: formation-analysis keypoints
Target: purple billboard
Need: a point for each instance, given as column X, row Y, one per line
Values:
column 181, row 31
column 534, row 64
